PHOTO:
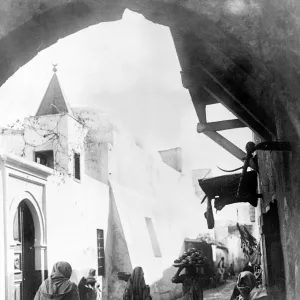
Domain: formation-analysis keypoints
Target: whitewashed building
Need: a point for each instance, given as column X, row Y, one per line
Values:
column 77, row 187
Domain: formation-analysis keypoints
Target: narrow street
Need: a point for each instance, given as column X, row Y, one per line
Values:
column 222, row 292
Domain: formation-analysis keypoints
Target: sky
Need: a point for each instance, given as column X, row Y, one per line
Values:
column 130, row 69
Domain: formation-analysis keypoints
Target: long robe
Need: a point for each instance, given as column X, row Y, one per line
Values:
column 136, row 288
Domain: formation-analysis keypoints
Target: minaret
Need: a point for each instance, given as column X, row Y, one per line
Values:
column 54, row 101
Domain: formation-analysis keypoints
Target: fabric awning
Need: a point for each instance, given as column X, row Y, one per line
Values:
column 224, row 189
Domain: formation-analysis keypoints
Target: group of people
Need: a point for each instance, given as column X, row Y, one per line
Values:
column 58, row 285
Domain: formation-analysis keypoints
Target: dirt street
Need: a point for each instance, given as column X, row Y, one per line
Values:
column 222, row 292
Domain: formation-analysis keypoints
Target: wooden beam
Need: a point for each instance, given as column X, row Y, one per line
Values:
column 230, row 147
column 200, row 111
column 216, row 137
column 221, row 125
column 212, row 86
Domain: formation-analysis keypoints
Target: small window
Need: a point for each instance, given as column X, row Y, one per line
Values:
column 153, row 238
column 252, row 214
column 77, row 166
column 100, row 252
column 45, row 158
column 16, row 227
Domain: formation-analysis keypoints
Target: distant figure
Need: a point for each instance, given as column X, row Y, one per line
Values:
column 231, row 270
column 58, row 286
column 191, row 287
column 136, row 288
column 221, row 269
column 88, row 287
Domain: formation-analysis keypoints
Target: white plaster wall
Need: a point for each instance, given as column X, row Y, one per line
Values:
column 11, row 142
column 39, row 137
column 238, row 212
column 70, row 139
column 236, row 255
column 144, row 186
column 17, row 186
column 36, row 128
column 74, row 212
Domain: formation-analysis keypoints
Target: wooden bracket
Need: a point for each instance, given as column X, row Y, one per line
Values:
column 263, row 146
column 210, row 130
column 221, row 125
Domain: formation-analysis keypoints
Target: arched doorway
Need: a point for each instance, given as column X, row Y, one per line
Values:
column 24, row 253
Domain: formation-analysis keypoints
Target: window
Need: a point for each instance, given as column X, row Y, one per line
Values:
column 252, row 214
column 16, row 227
column 100, row 252
column 45, row 158
column 153, row 238
column 77, row 166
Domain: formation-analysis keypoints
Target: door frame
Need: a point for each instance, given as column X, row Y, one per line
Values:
column 40, row 247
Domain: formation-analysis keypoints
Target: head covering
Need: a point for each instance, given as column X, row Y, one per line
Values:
column 58, row 283
column 61, row 269
column 246, row 282
column 91, row 277
column 92, row 272
column 136, row 288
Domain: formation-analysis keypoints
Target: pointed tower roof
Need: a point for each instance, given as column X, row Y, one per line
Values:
column 53, row 101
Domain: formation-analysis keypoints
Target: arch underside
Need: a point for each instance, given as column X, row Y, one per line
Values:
column 36, row 213
column 245, row 52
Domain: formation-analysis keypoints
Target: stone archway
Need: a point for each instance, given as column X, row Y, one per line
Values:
column 245, row 52
column 227, row 41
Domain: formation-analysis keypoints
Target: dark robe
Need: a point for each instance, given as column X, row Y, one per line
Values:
column 191, row 287
column 136, row 288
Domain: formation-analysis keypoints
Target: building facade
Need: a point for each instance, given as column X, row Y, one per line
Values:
column 77, row 187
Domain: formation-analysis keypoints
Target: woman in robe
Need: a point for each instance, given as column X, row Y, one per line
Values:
column 246, row 285
column 136, row 288
column 58, row 286
column 191, row 285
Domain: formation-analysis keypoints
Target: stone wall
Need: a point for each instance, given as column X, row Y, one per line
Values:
column 279, row 179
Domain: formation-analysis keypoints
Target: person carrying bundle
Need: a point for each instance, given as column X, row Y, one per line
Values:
column 191, row 285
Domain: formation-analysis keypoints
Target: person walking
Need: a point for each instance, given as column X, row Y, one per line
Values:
column 136, row 288
column 221, row 269
column 58, row 286
column 231, row 271
column 191, row 286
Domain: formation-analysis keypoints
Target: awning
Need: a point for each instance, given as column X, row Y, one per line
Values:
column 224, row 189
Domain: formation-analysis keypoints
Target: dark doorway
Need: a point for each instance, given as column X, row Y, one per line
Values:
column 274, row 253
column 24, row 235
